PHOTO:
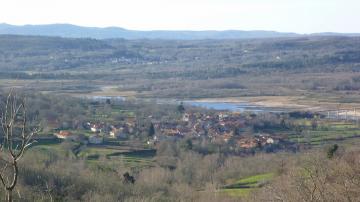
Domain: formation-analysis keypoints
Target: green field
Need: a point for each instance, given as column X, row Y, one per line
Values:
column 243, row 187
column 327, row 132
column 128, row 156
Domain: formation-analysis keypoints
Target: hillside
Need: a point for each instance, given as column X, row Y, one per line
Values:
column 196, row 68
column 152, row 143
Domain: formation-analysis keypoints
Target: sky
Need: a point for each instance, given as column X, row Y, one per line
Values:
column 300, row 16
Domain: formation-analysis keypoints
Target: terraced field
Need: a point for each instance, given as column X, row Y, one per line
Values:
column 128, row 154
column 328, row 133
column 130, row 158
column 243, row 187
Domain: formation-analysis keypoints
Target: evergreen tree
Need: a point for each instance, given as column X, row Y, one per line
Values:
column 181, row 108
column 151, row 130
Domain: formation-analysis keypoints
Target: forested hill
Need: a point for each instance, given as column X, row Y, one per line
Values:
column 202, row 67
column 54, row 53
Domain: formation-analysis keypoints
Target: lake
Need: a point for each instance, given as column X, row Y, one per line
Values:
column 230, row 106
column 234, row 106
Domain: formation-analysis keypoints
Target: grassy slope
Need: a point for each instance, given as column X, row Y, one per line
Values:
column 243, row 187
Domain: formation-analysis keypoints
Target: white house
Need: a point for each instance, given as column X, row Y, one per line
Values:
column 113, row 133
column 118, row 133
column 270, row 141
column 186, row 117
column 95, row 128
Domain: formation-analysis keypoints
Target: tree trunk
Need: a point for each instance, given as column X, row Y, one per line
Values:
column 9, row 195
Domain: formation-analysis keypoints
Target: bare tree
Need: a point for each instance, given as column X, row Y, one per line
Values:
column 16, row 137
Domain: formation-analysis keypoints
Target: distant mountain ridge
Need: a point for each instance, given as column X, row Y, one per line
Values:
column 74, row 31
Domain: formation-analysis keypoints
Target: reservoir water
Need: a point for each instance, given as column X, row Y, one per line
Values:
column 230, row 106
column 234, row 106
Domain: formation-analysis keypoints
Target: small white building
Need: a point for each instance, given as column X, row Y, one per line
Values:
column 186, row 117
column 270, row 141
column 113, row 133
column 95, row 128
column 118, row 133
column 222, row 116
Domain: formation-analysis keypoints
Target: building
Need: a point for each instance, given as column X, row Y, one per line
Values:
column 95, row 128
column 248, row 143
column 186, row 117
column 118, row 133
column 63, row 134
column 270, row 141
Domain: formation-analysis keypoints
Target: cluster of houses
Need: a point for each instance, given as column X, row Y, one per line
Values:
column 92, row 139
column 218, row 127
column 98, row 131
column 258, row 140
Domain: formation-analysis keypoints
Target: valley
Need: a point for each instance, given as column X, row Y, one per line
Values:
column 226, row 120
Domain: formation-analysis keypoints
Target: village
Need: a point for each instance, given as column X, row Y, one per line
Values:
column 219, row 128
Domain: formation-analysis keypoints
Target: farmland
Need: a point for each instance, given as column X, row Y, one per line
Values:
column 117, row 124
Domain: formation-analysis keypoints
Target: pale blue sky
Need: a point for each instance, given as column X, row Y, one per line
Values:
column 302, row 16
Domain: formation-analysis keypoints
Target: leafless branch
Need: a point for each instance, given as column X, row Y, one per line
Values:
column 15, row 141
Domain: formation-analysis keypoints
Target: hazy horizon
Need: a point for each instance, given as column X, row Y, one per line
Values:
column 185, row 30
column 277, row 15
